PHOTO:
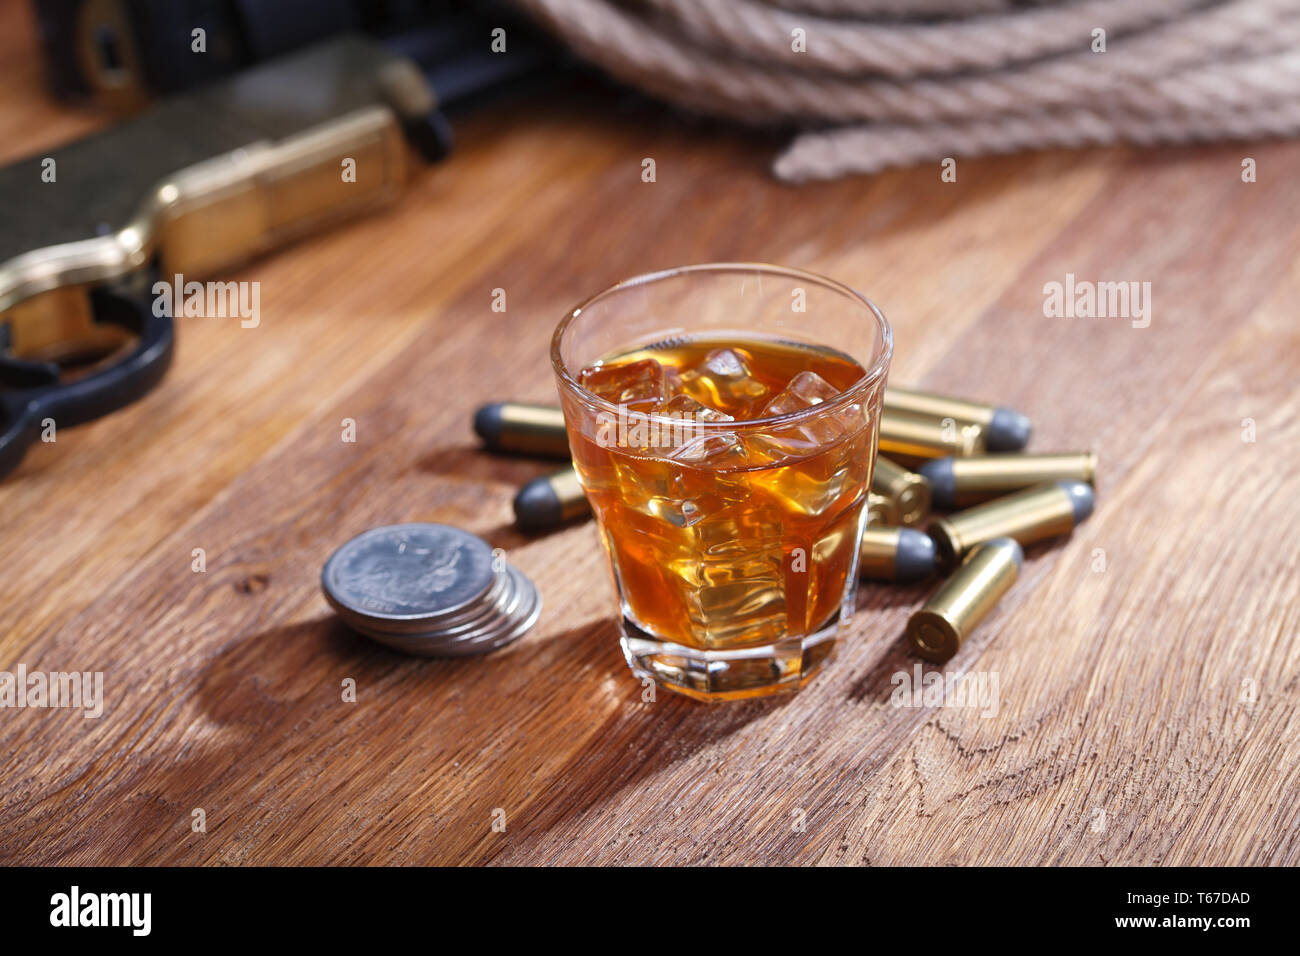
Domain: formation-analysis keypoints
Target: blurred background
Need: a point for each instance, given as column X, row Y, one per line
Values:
column 862, row 84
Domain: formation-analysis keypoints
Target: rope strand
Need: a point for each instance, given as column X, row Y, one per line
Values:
column 1175, row 65
column 870, row 149
column 762, row 34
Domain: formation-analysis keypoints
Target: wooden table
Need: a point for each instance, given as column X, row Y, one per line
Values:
column 1148, row 668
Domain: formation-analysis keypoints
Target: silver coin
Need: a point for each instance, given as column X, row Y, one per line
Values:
column 429, row 590
column 517, row 615
column 469, row 617
column 512, row 617
column 520, row 605
column 408, row 575
column 516, row 611
column 502, row 606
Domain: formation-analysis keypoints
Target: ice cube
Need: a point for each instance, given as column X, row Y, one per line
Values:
column 675, row 434
column 803, row 391
column 698, row 495
column 734, row 578
column 723, row 450
column 667, row 426
column 804, row 438
column 828, row 483
column 725, row 376
column 638, row 385
column 680, row 495
column 673, row 383
column 726, row 364
column 686, row 409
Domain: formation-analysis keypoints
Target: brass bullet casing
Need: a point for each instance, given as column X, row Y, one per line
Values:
column 959, row 482
column 880, row 511
column 1043, row 511
column 523, row 429
column 938, row 629
column 895, row 554
column 910, row 438
column 551, row 500
column 1004, row 429
column 909, row 492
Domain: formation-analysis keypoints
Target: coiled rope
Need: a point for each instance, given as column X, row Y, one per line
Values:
column 887, row 83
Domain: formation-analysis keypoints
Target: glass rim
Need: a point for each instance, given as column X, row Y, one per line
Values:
column 856, row 391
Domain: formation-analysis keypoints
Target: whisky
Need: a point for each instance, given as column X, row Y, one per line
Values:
column 729, row 480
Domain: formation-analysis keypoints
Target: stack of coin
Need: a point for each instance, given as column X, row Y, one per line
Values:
column 430, row 590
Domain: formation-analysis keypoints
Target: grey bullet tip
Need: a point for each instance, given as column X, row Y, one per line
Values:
column 1008, row 430
column 1081, row 498
column 487, row 423
column 943, row 486
column 536, row 505
column 916, row 557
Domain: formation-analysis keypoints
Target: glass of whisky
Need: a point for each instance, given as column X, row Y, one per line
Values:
column 723, row 421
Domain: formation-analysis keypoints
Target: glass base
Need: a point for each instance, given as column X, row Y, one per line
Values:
column 762, row 671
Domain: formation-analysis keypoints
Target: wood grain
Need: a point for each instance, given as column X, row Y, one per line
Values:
column 1147, row 712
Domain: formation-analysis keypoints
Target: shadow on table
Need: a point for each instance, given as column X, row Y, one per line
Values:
column 473, row 463
column 270, row 689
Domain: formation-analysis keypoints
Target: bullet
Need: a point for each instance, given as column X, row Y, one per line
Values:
column 910, row 438
column 551, row 500
column 940, row 627
column 909, row 492
column 1004, row 429
column 880, row 510
column 1043, row 511
column 896, row 554
column 959, row 482
column 523, row 429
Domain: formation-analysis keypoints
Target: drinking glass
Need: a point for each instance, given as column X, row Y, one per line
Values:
column 723, row 422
